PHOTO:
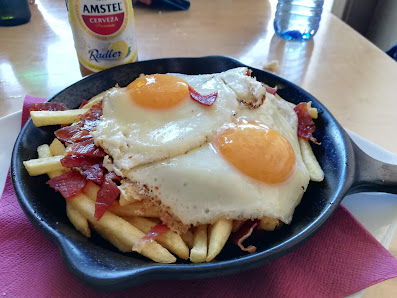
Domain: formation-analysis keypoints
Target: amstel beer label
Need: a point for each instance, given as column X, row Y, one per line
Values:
column 103, row 32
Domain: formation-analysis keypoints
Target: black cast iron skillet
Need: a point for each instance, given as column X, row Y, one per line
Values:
column 97, row 264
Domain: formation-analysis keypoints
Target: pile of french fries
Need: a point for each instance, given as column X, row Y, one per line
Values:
column 127, row 221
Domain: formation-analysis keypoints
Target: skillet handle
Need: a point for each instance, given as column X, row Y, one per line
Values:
column 372, row 175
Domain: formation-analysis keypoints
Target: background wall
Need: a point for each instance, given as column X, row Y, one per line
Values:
column 374, row 19
column 383, row 27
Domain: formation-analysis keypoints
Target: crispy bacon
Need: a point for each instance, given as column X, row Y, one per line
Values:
column 94, row 113
column 272, row 90
column 48, row 106
column 206, row 100
column 71, row 160
column 114, row 177
column 107, row 194
column 81, row 135
column 65, row 134
column 68, row 184
column 86, row 148
column 94, row 173
column 83, row 103
column 155, row 231
column 80, row 131
column 243, row 233
column 306, row 125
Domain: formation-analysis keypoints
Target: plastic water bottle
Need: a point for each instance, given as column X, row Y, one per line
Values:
column 298, row 19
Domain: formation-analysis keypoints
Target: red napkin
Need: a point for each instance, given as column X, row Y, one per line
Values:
column 341, row 259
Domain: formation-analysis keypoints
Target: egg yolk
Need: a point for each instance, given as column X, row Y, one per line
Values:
column 257, row 151
column 159, row 91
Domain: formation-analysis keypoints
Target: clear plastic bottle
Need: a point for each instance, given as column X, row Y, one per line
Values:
column 298, row 19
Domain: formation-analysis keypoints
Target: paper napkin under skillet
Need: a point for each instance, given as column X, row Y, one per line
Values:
column 341, row 259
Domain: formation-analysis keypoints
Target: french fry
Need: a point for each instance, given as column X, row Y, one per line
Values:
column 43, row 151
column 52, row 150
column 219, row 233
column 94, row 100
column 170, row 240
column 77, row 219
column 121, row 231
column 126, row 197
column 45, row 165
column 268, row 223
column 133, row 209
column 125, row 200
column 198, row 253
column 91, row 190
column 57, row 148
column 310, row 161
column 188, row 238
column 42, row 118
column 313, row 112
column 121, row 245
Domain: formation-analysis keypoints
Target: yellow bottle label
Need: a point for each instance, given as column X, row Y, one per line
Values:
column 103, row 32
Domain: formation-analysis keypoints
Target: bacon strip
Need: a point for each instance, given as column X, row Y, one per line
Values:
column 306, row 125
column 83, row 103
column 72, row 160
column 48, row 106
column 272, row 90
column 107, row 194
column 94, row 173
column 80, row 131
column 86, row 148
column 206, row 100
column 81, row 135
column 155, row 232
column 68, row 184
column 65, row 134
column 113, row 176
column 243, row 233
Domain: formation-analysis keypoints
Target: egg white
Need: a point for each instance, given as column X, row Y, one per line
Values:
column 133, row 135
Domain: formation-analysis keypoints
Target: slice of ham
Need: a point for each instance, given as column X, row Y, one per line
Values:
column 83, row 103
column 155, row 232
column 48, row 106
column 107, row 194
column 206, row 100
column 113, row 176
column 306, row 125
column 94, row 173
column 86, row 148
column 271, row 90
column 65, row 134
column 81, row 135
column 243, row 233
column 71, row 160
column 80, row 131
column 68, row 184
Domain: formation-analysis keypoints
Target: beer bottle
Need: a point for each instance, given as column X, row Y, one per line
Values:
column 103, row 33
column 14, row 12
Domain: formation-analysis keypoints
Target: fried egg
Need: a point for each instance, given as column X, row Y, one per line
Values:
column 154, row 118
column 238, row 159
